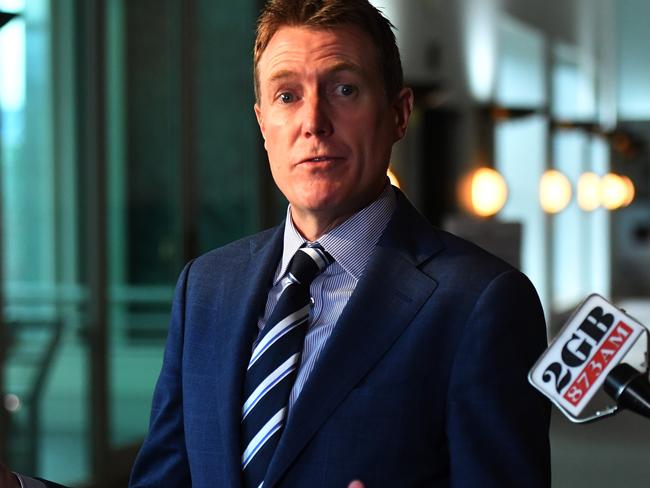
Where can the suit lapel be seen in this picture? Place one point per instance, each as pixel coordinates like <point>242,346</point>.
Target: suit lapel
<point>382,306</point>
<point>236,328</point>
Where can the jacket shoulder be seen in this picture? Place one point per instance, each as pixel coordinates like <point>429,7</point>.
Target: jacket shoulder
<point>464,264</point>
<point>236,250</point>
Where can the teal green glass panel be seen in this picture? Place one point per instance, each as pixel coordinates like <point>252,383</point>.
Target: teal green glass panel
<point>45,376</point>
<point>148,45</point>
<point>228,139</point>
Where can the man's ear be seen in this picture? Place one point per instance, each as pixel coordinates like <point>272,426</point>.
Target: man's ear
<point>260,119</point>
<point>403,106</point>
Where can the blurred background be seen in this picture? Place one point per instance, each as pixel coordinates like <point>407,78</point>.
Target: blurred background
<point>128,146</point>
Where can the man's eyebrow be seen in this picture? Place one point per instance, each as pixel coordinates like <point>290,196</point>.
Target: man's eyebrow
<point>284,74</point>
<point>280,75</point>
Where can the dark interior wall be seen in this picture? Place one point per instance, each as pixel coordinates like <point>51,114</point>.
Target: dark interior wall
<point>631,225</point>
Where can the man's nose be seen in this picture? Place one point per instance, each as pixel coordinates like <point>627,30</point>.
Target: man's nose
<point>316,121</point>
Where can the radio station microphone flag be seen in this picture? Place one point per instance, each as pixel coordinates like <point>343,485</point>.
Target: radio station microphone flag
<point>581,357</point>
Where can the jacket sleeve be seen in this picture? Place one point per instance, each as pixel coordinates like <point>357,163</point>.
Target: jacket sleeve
<point>497,424</point>
<point>162,460</point>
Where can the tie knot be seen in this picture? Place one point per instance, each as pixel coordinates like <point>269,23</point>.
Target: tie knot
<point>307,263</point>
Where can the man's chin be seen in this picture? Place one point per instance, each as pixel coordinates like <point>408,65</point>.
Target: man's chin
<point>317,208</point>
<point>319,201</point>
<point>333,204</point>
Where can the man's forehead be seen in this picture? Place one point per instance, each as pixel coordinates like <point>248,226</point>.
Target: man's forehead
<point>340,48</point>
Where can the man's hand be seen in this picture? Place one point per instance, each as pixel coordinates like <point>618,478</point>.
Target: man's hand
<point>7,479</point>
<point>356,484</point>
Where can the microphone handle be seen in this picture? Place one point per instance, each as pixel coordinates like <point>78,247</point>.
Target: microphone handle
<point>629,388</point>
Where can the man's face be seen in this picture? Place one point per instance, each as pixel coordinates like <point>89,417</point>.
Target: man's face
<point>327,124</point>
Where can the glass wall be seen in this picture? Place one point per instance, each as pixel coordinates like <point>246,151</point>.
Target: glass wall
<point>552,93</point>
<point>46,381</point>
<point>520,148</point>
<point>633,74</point>
<point>521,143</point>
<point>184,172</point>
<point>129,146</point>
<point>580,237</point>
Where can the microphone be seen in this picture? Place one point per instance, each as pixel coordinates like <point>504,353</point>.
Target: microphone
<point>629,388</point>
<point>586,357</point>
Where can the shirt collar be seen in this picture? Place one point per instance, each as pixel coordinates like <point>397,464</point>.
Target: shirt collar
<point>351,242</point>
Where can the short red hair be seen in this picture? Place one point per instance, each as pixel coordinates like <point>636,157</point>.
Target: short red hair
<point>323,14</point>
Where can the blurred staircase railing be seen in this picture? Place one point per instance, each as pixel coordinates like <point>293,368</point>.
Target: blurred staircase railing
<point>31,349</point>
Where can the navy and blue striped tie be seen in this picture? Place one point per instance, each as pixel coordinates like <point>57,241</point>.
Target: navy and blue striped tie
<point>273,365</point>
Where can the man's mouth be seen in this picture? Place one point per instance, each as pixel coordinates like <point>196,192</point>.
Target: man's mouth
<point>319,159</point>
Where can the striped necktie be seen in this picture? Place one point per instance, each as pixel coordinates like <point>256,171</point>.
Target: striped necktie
<point>273,365</point>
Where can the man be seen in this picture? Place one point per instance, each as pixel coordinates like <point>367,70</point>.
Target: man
<point>412,362</point>
<point>413,369</point>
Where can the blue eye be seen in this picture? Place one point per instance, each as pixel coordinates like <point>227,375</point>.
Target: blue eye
<point>346,90</point>
<point>286,97</point>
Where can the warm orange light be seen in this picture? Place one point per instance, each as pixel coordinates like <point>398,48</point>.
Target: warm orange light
<point>614,191</point>
<point>630,192</point>
<point>588,191</point>
<point>393,178</point>
<point>484,192</point>
<point>554,191</point>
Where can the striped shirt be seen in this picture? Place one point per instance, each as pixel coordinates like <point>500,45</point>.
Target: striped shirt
<point>350,244</point>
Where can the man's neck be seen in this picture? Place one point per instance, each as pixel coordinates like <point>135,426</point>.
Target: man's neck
<point>311,227</point>
<point>313,224</point>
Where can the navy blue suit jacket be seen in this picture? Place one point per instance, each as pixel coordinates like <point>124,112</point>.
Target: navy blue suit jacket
<point>422,382</point>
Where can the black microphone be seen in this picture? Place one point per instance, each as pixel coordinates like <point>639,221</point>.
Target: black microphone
<point>629,388</point>
<point>590,354</point>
